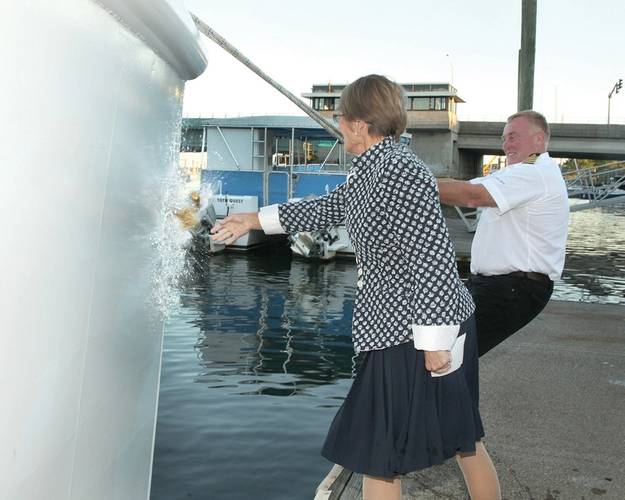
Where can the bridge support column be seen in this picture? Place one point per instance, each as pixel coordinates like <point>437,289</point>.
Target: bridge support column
<point>469,164</point>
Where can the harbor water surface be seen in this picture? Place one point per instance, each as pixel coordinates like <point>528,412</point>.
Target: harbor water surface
<point>257,359</point>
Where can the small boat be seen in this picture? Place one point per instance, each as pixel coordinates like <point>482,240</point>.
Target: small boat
<point>261,161</point>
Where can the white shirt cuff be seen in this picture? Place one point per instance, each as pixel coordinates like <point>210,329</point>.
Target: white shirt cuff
<point>269,219</point>
<point>457,356</point>
<point>434,337</point>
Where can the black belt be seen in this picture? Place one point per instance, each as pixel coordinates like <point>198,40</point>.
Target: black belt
<point>543,278</point>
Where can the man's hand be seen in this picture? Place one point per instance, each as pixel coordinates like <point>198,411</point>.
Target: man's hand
<point>437,361</point>
<point>234,226</point>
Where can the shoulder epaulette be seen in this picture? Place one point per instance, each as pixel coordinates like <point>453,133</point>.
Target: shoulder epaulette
<point>531,159</point>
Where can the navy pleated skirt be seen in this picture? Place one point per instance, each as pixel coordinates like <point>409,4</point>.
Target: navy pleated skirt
<point>397,418</point>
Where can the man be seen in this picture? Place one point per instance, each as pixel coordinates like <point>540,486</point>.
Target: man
<point>519,245</point>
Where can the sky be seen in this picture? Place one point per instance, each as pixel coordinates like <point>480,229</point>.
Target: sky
<point>580,53</point>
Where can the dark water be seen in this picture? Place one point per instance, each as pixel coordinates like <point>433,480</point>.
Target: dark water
<point>257,359</point>
<point>594,270</point>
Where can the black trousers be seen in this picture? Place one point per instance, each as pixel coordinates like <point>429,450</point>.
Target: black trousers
<point>504,304</point>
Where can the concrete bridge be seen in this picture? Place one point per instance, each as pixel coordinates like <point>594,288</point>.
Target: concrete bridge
<point>568,140</point>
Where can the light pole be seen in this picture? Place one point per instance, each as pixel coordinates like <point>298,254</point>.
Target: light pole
<point>527,55</point>
<point>615,90</point>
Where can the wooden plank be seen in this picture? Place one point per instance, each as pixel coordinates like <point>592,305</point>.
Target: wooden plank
<point>333,484</point>
<point>353,489</point>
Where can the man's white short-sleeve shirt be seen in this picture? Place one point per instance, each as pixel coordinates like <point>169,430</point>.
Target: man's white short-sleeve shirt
<point>527,230</point>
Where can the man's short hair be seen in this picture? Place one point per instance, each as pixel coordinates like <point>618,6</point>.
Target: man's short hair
<point>377,101</point>
<point>535,118</point>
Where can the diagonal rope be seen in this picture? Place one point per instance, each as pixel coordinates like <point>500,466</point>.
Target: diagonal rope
<point>233,51</point>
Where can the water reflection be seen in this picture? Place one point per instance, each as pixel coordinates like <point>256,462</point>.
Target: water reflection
<point>270,313</point>
<point>251,329</point>
<point>595,261</point>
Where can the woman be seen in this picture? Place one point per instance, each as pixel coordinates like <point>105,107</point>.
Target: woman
<point>414,401</point>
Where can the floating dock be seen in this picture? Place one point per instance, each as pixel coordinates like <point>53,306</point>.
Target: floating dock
<point>553,406</point>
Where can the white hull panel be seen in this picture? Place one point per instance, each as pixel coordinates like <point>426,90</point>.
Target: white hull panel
<point>90,114</point>
<point>234,204</point>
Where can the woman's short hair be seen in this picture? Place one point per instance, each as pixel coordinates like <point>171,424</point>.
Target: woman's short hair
<point>535,118</point>
<point>377,101</point>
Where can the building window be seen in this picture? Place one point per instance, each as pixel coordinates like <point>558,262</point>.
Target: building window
<point>438,103</point>
<point>324,103</point>
<point>420,103</point>
<point>428,104</point>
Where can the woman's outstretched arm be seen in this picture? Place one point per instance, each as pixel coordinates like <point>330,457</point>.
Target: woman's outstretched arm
<point>304,215</point>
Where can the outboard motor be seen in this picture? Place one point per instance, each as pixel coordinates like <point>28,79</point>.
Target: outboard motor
<point>317,244</point>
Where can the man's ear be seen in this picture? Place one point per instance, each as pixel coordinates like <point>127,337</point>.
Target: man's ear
<point>539,140</point>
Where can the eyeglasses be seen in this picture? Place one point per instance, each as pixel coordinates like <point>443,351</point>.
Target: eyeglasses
<point>336,116</point>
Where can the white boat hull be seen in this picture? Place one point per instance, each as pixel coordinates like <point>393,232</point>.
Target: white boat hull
<point>89,118</point>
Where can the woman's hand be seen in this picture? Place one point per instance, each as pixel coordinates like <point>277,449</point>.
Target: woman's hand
<point>234,226</point>
<point>437,361</point>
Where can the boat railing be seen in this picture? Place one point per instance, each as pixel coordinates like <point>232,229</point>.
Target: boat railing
<point>469,217</point>
<point>600,185</point>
